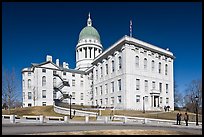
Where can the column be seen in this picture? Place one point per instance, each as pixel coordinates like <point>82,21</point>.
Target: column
<point>83,53</point>
<point>92,52</point>
<point>88,52</point>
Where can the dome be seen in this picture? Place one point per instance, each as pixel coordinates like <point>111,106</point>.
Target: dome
<point>89,32</point>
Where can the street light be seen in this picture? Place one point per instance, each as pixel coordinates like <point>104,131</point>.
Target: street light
<point>143,105</point>
<point>196,99</point>
<point>70,96</point>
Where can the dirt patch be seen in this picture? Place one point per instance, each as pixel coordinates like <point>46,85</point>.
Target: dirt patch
<point>119,132</point>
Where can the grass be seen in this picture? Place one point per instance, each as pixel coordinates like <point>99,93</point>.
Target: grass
<point>49,111</point>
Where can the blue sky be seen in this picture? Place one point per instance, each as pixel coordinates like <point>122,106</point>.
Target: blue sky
<point>30,31</point>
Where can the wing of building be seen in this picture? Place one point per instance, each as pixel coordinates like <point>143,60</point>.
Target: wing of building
<point>130,74</point>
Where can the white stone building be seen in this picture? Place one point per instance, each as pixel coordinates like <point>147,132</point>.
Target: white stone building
<point>130,74</point>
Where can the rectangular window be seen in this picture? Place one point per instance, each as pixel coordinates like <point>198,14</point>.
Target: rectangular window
<point>73,82</point>
<point>113,66</point>
<point>119,85</point>
<point>44,70</point>
<point>112,100</point>
<point>106,69</point>
<point>43,93</point>
<point>166,69</point>
<point>112,87</point>
<point>120,62</point>
<point>119,99</point>
<point>167,88</point>
<point>101,72</point>
<point>137,98</point>
<point>73,74</point>
<point>159,67</point>
<point>29,73</point>
<point>101,90</point>
<point>152,65</point>
<point>137,84</point>
<point>167,100</point>
<point>82,96</point>
<point>23,95</point>
<point>73,95</point>
<point>54,72</point>
<point>160,87</point>
<point>96,91</point>
<point>43,103</point>
<point>137,61</point>
<point>96,74</point>
<point>29,95</point>
<point>145,63</point>
<point>106,88</point>
<point>64,73</point>
<point>146,85</point>
<point>160,100</point>
<point>101,102</point>
<point>106,101</point>
<point>82,83</point>
<point>153,84</point>
<point>81,76</point>
<point>54,95</point>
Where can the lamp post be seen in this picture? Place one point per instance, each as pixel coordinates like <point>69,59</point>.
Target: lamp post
<point>70,96</point>
<point>143,104</point>
<point>196,99</point>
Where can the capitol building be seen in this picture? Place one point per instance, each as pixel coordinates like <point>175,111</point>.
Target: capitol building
<point>130,74</point>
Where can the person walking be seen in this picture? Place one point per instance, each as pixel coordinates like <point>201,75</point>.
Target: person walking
<point>186,118</point>
<point>177,118</point>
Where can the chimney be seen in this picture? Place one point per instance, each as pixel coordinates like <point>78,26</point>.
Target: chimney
<point>49,58</point>
<point>57,62</point>
<point>64,64</point>
<point>67,65</point>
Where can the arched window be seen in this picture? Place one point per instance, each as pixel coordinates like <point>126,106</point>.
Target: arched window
<point>43,81</point>
<point>159,67</point>
<point>137,61</point>
<point>29,83</point>
<point>120,62</point>
<point>166,69</point>
<point>54,82</point>
<point>113,66</point>
<point>145,63</point>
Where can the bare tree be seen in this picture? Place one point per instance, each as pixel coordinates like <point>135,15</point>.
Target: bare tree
<point>9,89</point>
<point>178,99</point>
<point>193,89</point>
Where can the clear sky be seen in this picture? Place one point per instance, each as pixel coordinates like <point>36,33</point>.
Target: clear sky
<point>30,31</point>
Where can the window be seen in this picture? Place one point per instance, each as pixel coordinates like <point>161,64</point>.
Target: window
<point>137,84</point>
<point>106,69</point>
<point>146,85</point>
<point>113,66</point>
<point>166,69</point>
<point>43,81</point>
<point>44,70</point>
<point>73,95</point>
<point>29,73</point>
<point>82,83</point>
<point>160,100</point>
<point>54,72</point>
<point>54,94</point>
<point>97,103</point>
<point>145,63</point>
<point>73,74</point>
<point>73,82</point>
<point>101,90</point>
<point>64,73</point>
<point>112,100</point>
<point>159,67</point>
<point>112,86</point>
<point>106,88</point>
<point>29,83</point>
<point>82,96</point>
<point>96,91</point>
<point>152,65</point>
<point>23,95</point>
<point>101,72</point>
<point>101,102</point>
<point>119,99</point>
<point>29,104</point>
<point>29,95</point>
<point>43,103</point>
<point>54,82</point>
<point>160,87</point>
<point>153,84</point>
<point>96,74</point>
<point>167,88</point>
<point>137,61</point>
<point>81,76</point>
<point>167,100</point>
<point>106,101</point>
<point>43,93</point>
<point>119,85</point>
<point>137,98</point>
<point>120,62</point>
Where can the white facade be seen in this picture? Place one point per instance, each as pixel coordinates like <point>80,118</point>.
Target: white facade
<point>130,74</point>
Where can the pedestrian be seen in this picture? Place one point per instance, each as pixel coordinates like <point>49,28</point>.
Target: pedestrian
<point>74,112</point>
<point>165,108</point>
<point>177,118</point>
<point>186,118</point>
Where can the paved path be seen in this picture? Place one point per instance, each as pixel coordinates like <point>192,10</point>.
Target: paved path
<point>31,128</point>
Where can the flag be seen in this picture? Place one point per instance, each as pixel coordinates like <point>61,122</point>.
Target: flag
<point>130,28</point>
